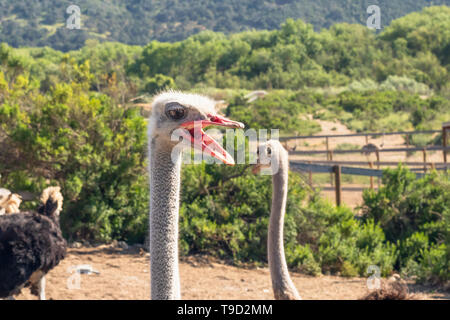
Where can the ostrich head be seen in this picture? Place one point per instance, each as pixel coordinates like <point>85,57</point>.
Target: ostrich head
<point>9,202</point>
<point>271,155</point>
<point>4,194</point>
<point>186,115</point>
<point>51,202</point>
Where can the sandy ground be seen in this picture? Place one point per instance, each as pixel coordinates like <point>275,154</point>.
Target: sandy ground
<point>352,199</point>
<point>124,274</point>
<point>386,142</point>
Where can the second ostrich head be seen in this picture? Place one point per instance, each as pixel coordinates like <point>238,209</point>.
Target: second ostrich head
<point>271,156</point>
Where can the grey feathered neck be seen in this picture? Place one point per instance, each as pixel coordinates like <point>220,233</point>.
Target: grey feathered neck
<point>164,206</point>
<point>282,285</point>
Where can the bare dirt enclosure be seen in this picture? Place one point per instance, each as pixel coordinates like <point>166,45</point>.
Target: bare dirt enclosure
<point>124,275</point>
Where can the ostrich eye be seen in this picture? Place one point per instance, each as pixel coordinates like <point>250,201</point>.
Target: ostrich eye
<point>175,111</point>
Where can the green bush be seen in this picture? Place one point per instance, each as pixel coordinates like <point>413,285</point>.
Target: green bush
<point>349,247</point>
<point>302,259</point>
<point>414,214</point>
<point>277,110</point>
<point>82,141</point>
<point>395,83</point>
<point>158,83</point>
<point>230,220</point>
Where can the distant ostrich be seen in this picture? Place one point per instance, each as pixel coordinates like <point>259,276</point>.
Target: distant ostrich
<point>31,244</point>
<point>9,202</point>
<point>254,95</point>
<point>393,289</point>
<point>369,148</point>
<point>282,285</point>
<point>171,111</point>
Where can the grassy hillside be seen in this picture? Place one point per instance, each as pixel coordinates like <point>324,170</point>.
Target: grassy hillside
<point>42,22</point>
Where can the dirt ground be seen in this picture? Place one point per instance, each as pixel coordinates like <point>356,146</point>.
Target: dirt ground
<point>124,274</point>
<point>352,199</point>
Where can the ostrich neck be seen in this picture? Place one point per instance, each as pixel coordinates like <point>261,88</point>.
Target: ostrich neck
<point>164,206</point>
<point>282,284</point>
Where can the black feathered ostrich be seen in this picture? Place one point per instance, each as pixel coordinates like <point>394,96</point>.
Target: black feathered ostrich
<point>31,244</point>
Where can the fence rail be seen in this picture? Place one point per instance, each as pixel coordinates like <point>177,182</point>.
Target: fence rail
<point>429,148</point>
<point>338,170</point>
<point>320,168</point>
<point>373,134</point>
<point>379,163</point>
<point>338,167</point>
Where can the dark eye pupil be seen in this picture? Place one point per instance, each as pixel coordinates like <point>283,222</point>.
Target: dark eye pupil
<point>269,151</point>
<point>175,113</point>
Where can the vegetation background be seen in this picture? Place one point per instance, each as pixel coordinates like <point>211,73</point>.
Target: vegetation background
<point>66,119</point>
<point>137,22</point>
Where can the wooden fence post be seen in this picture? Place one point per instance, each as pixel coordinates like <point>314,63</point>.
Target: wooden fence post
<point>371,178</point>
<point>378,167</point>
<point>310,177</point>
<point>445,126</point>
<point>424,160</point>
<point>330,158</point>
<point>337,178</point>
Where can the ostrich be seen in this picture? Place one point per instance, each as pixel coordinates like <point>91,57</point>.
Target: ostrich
<point>393,289</point>
<point>282,285</point>
<point>173,110</point>
<point>31,244</point>
<point>254,95</point>
<point>9,202</point>
<point>369,148</point>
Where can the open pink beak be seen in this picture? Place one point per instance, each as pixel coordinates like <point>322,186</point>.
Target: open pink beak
<point>207,144</point>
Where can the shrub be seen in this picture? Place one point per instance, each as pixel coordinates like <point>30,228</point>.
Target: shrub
<point>302,259</point>
<point>395,83</point>
<point>275,111</point>
<point>158,83</point>
<point>405,205</point>
<point>84,142</point>
<point>229,218</point>
<point>414,214</point>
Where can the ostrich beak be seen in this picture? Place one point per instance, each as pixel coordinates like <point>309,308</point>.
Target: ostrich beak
<point>256,169</point>
<point>207,144</point>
